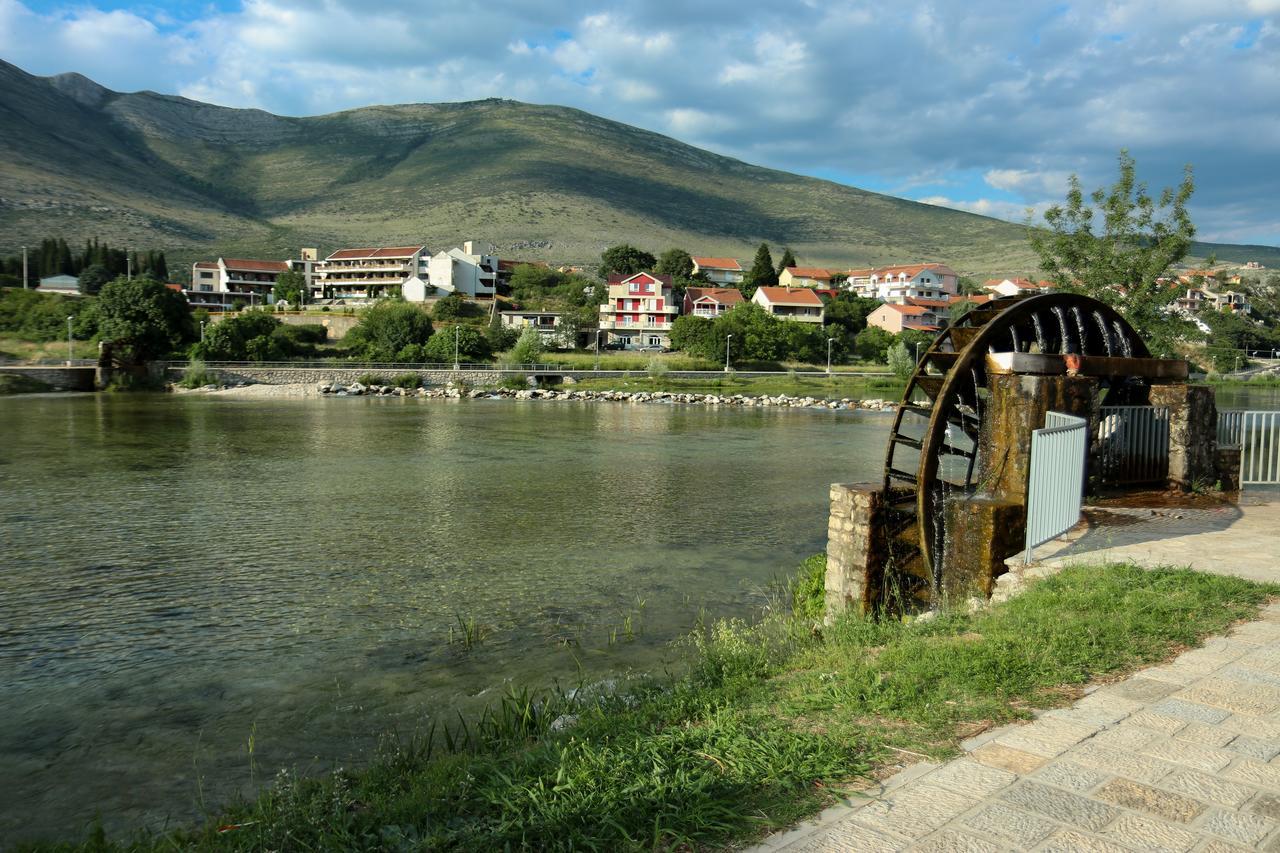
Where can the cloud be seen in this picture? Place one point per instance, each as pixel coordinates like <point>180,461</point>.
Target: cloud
<point>1010,211</point>
<point>995,103</point>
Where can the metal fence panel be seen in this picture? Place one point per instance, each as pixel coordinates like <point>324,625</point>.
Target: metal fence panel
<point>1056,485</point>
<point>1133,443</point>
<point>1229,425</point>
<point>1259,448</point>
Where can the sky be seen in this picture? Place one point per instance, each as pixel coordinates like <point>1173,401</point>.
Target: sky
<point>979,105</point>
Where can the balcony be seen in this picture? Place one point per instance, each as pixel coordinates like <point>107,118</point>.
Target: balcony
<point>634,327</point>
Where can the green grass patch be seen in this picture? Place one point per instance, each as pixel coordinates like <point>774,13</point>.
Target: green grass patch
<point>762,725</point>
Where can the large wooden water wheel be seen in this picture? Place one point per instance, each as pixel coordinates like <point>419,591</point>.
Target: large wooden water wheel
<point>934,449</point>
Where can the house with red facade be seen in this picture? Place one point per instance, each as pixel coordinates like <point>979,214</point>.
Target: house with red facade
<point>639,312</point>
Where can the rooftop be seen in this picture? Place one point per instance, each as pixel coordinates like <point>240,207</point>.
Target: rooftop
<point>790,296</point>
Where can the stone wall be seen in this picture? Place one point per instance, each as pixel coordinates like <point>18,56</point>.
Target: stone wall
<point>1193,434</point>
<point>316,375</point>
<point>856,547</point>
<point>60,378</point>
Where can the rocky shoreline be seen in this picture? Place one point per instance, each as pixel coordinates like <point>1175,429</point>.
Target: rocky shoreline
<point>356,389</point>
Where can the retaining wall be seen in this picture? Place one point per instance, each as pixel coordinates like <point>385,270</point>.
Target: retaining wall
<point>60,378</point>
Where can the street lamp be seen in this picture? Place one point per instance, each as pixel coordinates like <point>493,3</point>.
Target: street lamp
<point>69,354</point>
<point>598,331</point>
<point>917,352</point>
<point>727,342</point>
<point>202,322</point>
<point>456,331</point>
<point>829,342</point>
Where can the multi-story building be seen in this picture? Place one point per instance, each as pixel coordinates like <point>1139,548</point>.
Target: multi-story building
<point>726,272</point>
<point>896,318</point>
<point>711,301</point>
<point>804,277</point>
<point>900,283</point>
<point>466,271</point>
<point>790,303</point>
<point>1016,286</point>
<point>362,275</point>
<point>551,326</point>
<point>228,281</point>
<point>640,310</point>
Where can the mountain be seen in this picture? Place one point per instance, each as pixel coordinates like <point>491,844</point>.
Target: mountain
<point>541,182</point>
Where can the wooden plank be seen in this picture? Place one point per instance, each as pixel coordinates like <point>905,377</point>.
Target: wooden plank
<point>1155,369</point>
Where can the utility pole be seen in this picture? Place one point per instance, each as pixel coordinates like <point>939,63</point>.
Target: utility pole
<point>70,357</point>
<point>25,285</point>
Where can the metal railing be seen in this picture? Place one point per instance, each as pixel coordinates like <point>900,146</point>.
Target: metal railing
<point>551,367</point>
<point>1133,443</point>
<point>1230,426</point>
<point>1260,449</point>
<point>1056,484</point>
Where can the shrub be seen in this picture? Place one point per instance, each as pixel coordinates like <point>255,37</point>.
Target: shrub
<point>471,345</point>
<point>386,329</point>
<point>454,307</point>
<point>900,360</point>
<point>197,375</point>
<point>657,368</point>
<point>809,588</point>
<point>407,380</point>
<point>528,347</point>
<point>248,336</point>
<point>514,382</point>
<point>371,379</point>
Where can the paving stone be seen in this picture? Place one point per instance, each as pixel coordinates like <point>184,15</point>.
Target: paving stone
<point>1111,703</point>
<point>950,841</point>
<point>1142,689</point>
<point>1237,701</point>
<point>1208,789</point>
<point>846,837</point>
<point>1046,738</point>
<point>1060,805</point>
<point>1005,758</point>
<point>1247,829</point>
<point>1069,775</point>
<point>1157,722</point>
<point>1265,805</point>
<point>914,810</point>
<point>1144,798</point>
<point>1096,718</point>
<point>1263,749</point>
<point>1121,762</point>
<point>1255,772</point>
<point>1213,845</point>
<point>1205,734</point>
<point>1195,755</point>
<point>1016,825</point>
<point>1070,841</point>
<point>1189,711</point>
<point>1261,631</point>
<point>1145,833</point>
<point>969,778</point>
<point>1246,674</point>
<point>1255,726</point>
<point>1125,737</point>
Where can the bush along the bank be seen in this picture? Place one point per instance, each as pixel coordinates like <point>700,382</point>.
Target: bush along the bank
<point>763,724</point>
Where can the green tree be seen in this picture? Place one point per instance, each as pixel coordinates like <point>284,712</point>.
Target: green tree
<point>289,287</point>
<point>900,360</point>
<point>788,260</point>
<point>143,319</point>
<point>676,263</point>
<point>92,278</point>
<point>472,345</point>
<point>625,260</point>
<point>872,344</point>
<point>387,328</point>
<point>1120,260</point>
<point>248,336</point>
<point>501,338</point>
<point>694,335</point>
<point>451,307</point>
<point>849,312</point>
<point>959,309</point>
<point>528,347</point>
<point>761,274</point>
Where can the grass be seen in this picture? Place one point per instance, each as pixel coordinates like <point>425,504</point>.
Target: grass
<point>198,376</point>
<point>17,348</point>
<point>765,723</point>
<point>854,387</point>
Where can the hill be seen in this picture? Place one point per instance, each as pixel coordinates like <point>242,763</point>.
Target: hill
<point>144,169</point>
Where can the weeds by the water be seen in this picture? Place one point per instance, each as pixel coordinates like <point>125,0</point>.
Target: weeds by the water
<point>468,632</point>
<point>765,723</point>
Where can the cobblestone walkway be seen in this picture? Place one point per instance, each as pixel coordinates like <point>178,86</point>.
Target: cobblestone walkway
<point>1178,757</point>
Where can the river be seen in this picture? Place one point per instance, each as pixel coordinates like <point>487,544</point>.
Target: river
<point>200,591</point>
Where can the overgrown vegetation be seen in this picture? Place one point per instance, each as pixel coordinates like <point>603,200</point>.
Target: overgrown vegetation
<point>765,723</point>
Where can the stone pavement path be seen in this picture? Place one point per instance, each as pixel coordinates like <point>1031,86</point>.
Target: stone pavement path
<point>1180,757</point>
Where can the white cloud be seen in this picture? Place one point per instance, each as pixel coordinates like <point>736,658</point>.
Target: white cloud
<point>1011,211</point>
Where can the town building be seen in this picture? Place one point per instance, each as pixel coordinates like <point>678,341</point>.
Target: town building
<point>726,272</point>
<point>896,318</point>
<point>790,303</point>
<point>639,312</point>
<point>804,277</point>
<point>903,282</point>
<point>467,271</point>
<point>366,274</point>
<point>551,325</point>
<point>1016,286</point>
<point>711,301</point>
<point>64,285</point>
<point>228,282</point>
<point>1198,299</point>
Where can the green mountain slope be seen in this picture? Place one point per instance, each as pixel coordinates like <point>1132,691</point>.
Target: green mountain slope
<point>540,182</point>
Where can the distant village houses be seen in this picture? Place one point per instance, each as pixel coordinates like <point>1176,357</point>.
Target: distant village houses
<point>790,303</point>
<point>639,312</point>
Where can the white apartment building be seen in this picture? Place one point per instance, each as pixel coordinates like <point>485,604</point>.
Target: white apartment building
<point>725,272</point>
<point>466,271</point>
<point>226,281</point>
<point>897,284</point>
<point>363,275</point>
<point>1016,286</point>
<point>640,310</point>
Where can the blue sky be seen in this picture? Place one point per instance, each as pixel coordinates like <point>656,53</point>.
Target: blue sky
<point>979,105</point>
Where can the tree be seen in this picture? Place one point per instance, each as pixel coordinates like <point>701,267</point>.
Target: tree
<point>387,328</point>
<point>501,338</point>
<point>676,263</point>
<point>92,278</point>
<point>872,344</point>
<point>694,335</point>
<point>246,336</point>
<point>625,260</point>
<point>143,319</point>
<point>452,307</point>
<point>849,312</point>
<point>471,345</point>
<point>761,273</point>
<point>900,360</point>
<point>528,347</point>
<point>289,287</point>
<point>788,260</point>
<point>1140,239</point>
<point>959,309</point>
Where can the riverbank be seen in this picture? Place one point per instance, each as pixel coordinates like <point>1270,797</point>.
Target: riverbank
<point>767,723</point>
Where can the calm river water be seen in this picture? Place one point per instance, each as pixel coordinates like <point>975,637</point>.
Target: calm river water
<point>197,592</point>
